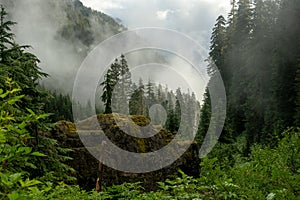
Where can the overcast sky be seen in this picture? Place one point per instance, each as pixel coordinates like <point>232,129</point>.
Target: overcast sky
<point>193,17</point>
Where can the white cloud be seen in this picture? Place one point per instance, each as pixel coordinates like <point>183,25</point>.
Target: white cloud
<point>163,14</point>
<point>193,17</point>
<point>103,5</point>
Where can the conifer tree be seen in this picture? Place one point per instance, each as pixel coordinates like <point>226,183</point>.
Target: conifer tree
<point>21,66</point>
<point>297,99</point>
<point>108,86</point>
<point>217,48</point>
<point>122,89</point>
<point>178,105</point>
<point>137,100</point>
<point>117,87</point>
<point>150,96</point>
<point>204,117</point>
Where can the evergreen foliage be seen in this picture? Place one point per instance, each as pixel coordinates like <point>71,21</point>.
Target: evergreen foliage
<point>120,95</point>
<point>257,54</point>
<point>27,156</point>
<point>116,87</point>
<point>19,65</point>
<point>59,107</point>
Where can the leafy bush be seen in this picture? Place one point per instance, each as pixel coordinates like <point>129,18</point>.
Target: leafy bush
<point>266,173</point>
<point>272,172</point>
<point>17,156</point>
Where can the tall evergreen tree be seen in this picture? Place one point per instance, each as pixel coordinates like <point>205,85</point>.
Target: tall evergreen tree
<point>297,99</point>
<point>285,62</point>
<point>6,36</point>
<point>205,116</point>
<point>115,73</point>
<point>20,74</point>
<point>21,66</point>
<point>106,96</point>
<point>259,68</point>
<point>117,87</point>
<point>237,54</point>
<point>217,48</point>
<point>122,88</point>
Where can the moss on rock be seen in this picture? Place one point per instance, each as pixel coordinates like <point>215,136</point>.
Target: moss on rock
<point>86,165</point>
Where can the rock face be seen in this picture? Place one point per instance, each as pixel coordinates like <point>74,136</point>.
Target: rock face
<point>87,166</point>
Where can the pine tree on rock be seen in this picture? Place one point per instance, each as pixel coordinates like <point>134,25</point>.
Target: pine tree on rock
<point>123,87</point>
<point>115,72</point>
<point>117,87</point>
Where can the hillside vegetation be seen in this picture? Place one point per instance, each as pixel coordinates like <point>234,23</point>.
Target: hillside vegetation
<point>257,53</point>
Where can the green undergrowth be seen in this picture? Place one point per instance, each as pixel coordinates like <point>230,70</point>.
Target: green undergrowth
<point>267,173</point>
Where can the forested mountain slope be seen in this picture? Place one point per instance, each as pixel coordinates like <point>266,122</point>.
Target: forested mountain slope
<point>257,51</point>
<point>61,34</point>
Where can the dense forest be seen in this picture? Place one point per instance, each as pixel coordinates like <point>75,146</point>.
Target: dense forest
<point>257,52</point>
<point>256,49</point>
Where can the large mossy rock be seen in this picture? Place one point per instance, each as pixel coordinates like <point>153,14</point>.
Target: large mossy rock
<point>86,165</point>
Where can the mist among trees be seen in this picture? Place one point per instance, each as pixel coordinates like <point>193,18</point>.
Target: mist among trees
<point>256,49</point>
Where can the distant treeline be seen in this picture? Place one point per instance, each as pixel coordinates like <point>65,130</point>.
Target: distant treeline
<point>121,95</point>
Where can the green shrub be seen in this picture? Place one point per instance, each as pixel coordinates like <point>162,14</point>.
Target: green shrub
<point>266,173</point>
<point>17,158</point>
<point>272,171</point>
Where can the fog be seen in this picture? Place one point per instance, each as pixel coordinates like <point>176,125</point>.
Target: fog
<point>192,17</point>
<point>39,23</point>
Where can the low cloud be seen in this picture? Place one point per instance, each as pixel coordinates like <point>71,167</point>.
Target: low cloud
<point>193,17</point>
<point>39,25</point>
<point>103,4</point>
<point>163,14</point>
